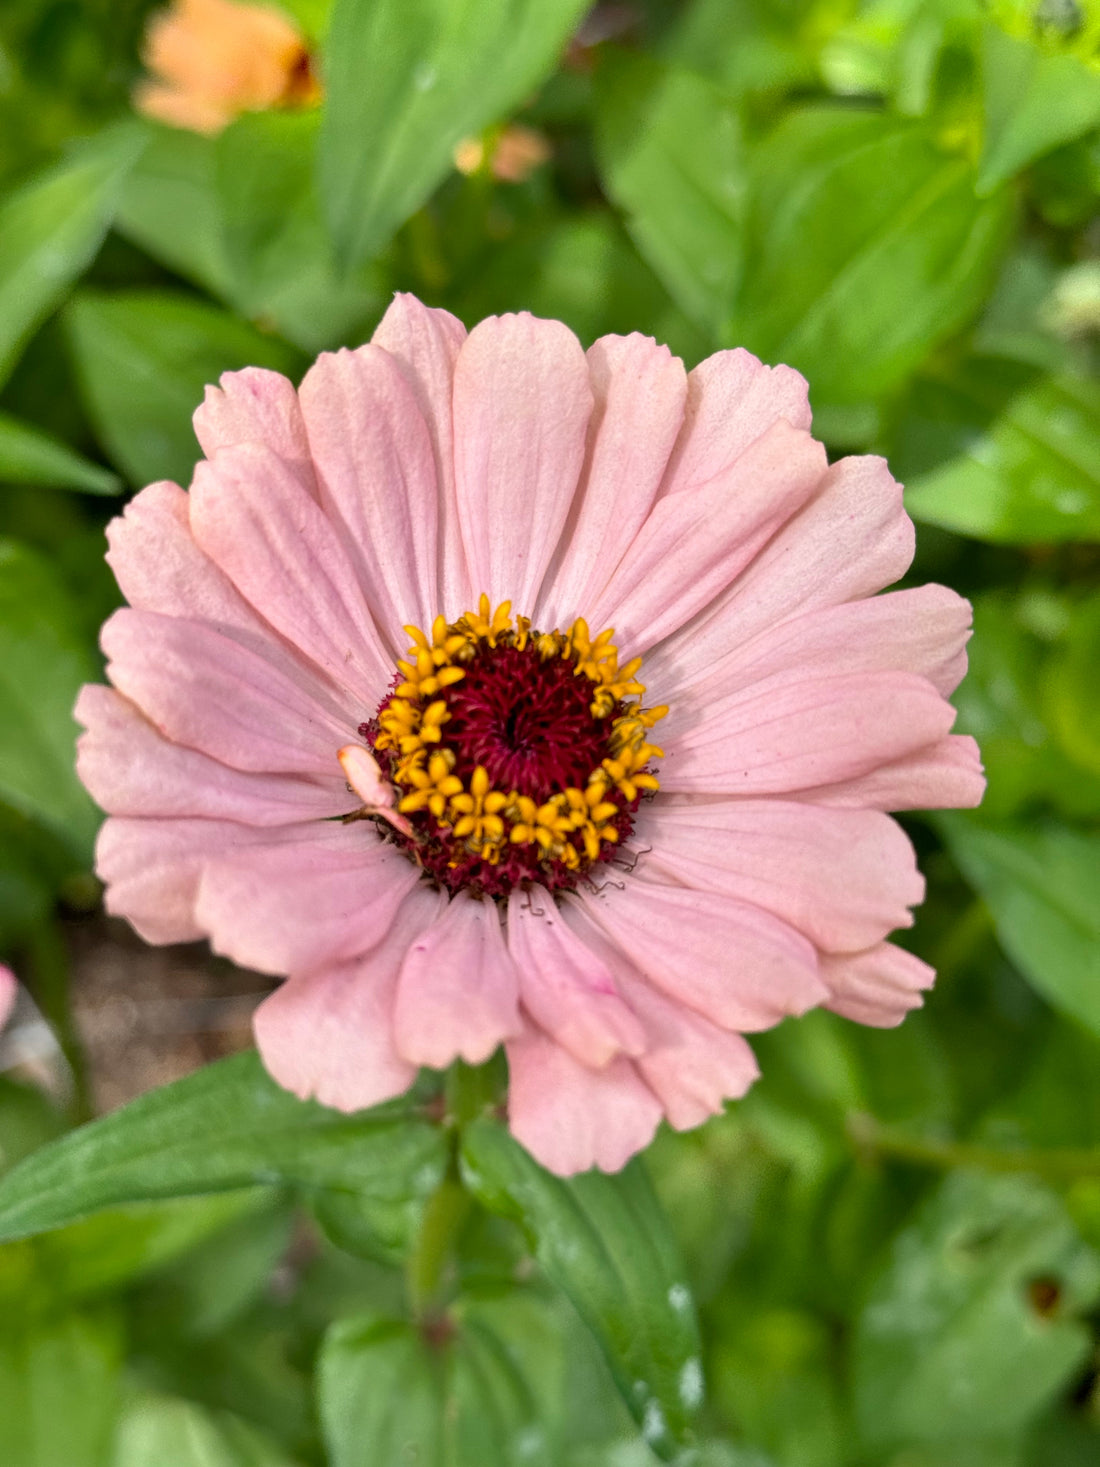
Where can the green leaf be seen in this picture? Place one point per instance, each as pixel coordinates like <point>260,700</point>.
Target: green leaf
<point>225,1127</point>
<point>1027,465</point>
<point>377,1382</point>
<point>955,1341</point>
<point>408,79</point>
<point>454,1394</point>
<point>50,231</point>
<point>605,1242</point>
<point>173,1433</point>
<point>276,243</point>
<point>43,662</point>
<point>170,207</point>
<point>59,1391</point>
<point>1029,700</point>
<point>1033,101</point>
<point>1040,881</point>
<point>672,158</point>
<point>582,270</point>
<point>112,1249</point>
<point>28,456</point>
<point>866,247</point>
<point>143,359</point>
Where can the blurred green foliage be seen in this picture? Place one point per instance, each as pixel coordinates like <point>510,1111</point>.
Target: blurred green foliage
<point>894,1242</point>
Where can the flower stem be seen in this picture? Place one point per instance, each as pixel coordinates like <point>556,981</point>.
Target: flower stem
<point>425,1270</point>
<point>874,1142</point>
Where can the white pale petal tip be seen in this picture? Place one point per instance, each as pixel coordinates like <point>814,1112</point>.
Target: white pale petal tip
<point>362,772</point>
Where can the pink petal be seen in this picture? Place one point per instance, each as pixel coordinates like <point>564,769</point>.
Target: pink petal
<point>945,775</point>
<point>923,631</point>
<point>640,389</point>
<point>212,694</point>
<point>690,1064</point>
<point>877,987</point>
<point>376,469</point>
<point>457,993</point>
<point>130,769</point>
<point>521,408</point>
<point>845,878</point>
<point>8,989</point>
<point>328,895</point>
<point>151,869</point>
<point>425,344</point>
<point>733,399</point>
<point>571,1118</point>
<point>328,1034</point>
<point>852,539</point>
<point>159,567</point>
<point>786,734</point>
<point>565,988</point>
<point>256,406</point>
<point>734,963</point>
<point>691,547</point>
<point>253,518</point>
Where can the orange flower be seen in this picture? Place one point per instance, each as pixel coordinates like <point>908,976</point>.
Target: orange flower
<point>211,60</point>
<point>513,156</point>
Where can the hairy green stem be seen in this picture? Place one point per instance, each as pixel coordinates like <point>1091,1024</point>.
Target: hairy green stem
<point>875,1141</point>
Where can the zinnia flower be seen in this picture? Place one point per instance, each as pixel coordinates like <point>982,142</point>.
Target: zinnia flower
<point>214,59</point>
<point>370,726</point>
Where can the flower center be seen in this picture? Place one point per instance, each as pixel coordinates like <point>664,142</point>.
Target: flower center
<point>517,755</point>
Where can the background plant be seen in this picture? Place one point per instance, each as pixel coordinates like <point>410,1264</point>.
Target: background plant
<point>888,1255</point>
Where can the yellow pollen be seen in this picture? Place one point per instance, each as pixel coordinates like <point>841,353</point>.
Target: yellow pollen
<point>573,825</point>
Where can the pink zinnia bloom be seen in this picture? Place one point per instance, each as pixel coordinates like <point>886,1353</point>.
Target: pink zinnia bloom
<point>367,730</point>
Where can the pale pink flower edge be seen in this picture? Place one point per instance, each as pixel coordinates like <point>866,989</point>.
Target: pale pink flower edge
<point>694,513</point>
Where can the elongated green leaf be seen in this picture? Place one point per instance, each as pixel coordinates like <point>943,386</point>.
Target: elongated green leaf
<point>1028,465</point>
<point>175,1433</point>
<point>59,1391</point>
<point>1033,101</point>
<point>604,1241</point>
<point>43,661</point>
<point>1041,882</point>
<point>865,247</point>
<point>408,79</point>
<point>950,1344</point>
<point>49,232</point>
<point>28,456</point>
<point>276,243</point>
<point>672,157</point>
<point>144,358</point>
<point>112,1249</point>
<point>226,1126</point>
<point>170,207</point>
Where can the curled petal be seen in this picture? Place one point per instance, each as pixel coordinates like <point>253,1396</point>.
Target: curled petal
<point>877,987</point>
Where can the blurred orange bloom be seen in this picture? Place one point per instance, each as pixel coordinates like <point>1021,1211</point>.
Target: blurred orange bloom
<point>211,60</point>
<point>513,157</point>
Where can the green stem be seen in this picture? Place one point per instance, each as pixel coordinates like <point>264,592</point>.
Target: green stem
<point>425,1270</point>
<point>874,1142</point>
<point>50,987</point>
